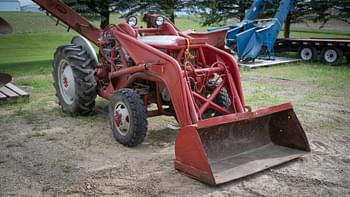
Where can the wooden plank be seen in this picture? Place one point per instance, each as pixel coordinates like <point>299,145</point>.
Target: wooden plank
<point>16,89</point>
<point>12,94</point>
<point>9,93</point>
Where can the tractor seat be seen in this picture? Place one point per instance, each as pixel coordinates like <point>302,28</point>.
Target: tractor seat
<point>161,40</point>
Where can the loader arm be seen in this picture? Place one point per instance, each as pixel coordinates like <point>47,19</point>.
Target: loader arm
<point>71,18</point>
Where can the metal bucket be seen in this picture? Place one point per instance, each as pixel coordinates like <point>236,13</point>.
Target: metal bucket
<point>4,79</point>
<point>226,148</point>
<point>5,28</point>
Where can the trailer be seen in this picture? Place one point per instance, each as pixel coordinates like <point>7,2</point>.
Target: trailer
<point>328,50</point>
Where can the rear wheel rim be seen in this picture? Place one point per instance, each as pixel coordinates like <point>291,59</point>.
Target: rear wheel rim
<point>121,118</point>
<point>66,81</point>
<point>306,54</point>
<point>330,55</point>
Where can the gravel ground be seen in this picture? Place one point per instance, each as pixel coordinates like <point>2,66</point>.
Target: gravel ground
<point>47,153</point>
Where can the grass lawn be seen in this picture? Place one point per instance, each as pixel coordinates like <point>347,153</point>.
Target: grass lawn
<point>27,55</point>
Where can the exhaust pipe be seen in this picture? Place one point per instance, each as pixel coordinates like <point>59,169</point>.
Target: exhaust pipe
<point>5,27</point>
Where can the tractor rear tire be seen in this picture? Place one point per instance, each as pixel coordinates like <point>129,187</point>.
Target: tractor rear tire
<point>332,56</point>
<point>74,79</point>
<point>128,117</point>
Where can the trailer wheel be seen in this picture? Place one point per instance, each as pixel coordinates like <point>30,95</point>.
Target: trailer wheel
<point>128,117</point>
<point>332,56</point>
<point>222,99</point>
<point>74,80</point>
<point>307,53</point>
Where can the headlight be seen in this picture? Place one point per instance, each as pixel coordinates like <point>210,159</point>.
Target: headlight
<point>132,21</point>
<point>159,21</point>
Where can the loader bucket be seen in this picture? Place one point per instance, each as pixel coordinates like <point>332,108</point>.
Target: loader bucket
<point>5,28</point>
<point>225,148</point>
<point>4,79</point>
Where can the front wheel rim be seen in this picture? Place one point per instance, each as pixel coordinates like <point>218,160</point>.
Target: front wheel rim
<point>66,81</point>
<point>121,118</point>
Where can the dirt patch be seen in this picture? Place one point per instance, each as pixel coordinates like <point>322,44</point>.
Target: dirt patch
<point>44,152</point>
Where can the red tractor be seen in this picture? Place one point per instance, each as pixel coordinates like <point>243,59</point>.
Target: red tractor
<point>220,139</point>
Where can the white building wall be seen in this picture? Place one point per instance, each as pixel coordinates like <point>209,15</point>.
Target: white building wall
<point>10,7</point>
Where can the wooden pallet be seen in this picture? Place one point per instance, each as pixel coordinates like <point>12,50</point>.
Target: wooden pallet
<point>11,93</point>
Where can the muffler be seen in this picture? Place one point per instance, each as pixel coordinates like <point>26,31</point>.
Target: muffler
<point>225,148</point>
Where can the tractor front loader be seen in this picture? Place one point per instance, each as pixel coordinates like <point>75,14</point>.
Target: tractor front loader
<point>220,139</point>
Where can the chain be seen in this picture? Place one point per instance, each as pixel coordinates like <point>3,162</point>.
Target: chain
<point>188,65</point>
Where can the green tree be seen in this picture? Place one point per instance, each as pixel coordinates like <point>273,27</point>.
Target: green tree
<point>216,11</point>
<point>165,7</point>
<point>83,9</point>
<point>100,8</point>
<point>300,13</point>
<point>326,10</point>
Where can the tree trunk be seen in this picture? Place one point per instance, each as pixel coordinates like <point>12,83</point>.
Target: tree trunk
<point>287,27</point>
<point>104,19</point>
<point>104,14</point>
<point>172,17</point>
<point>242,10</point>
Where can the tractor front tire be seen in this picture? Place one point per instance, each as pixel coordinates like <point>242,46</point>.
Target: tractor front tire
<point>128,117</point>
<point>222,99</point>
<point>74,79</point>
